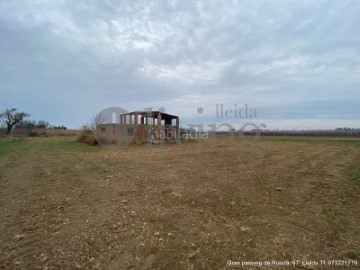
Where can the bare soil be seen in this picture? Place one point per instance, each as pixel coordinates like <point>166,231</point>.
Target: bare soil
<point>68,207</point>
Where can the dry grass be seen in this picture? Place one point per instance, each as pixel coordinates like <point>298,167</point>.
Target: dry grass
<point>63,133</point>
<point>86,136</point>
<point>79,207</point>
<point>42,132</point>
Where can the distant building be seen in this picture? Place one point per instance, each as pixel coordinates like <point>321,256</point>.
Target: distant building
<point>143,126</point>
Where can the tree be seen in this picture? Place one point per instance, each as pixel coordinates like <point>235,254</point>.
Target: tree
<point>42,124</point>
<point>95,121</point>
<point>59,127</point>
<point>28,124</point>
<point>10,117</point>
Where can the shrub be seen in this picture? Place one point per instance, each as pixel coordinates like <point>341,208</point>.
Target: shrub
<point>86,136</point>
<point>38,133</point>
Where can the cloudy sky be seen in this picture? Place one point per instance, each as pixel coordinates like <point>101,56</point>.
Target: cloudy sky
<point>297,63</point>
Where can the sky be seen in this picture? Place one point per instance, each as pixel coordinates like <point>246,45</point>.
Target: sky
<point>295,63</point>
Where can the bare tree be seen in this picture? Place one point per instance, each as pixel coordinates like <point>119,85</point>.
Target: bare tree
<point>96,121</point>
<point>29,124</point>
<point>10,117</point>
<point>42,124</point>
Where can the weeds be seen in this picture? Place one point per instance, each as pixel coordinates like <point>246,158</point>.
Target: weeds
<point>15,145</point>
<point>86,136</point>
<point>356,177</point>
<point>64,170</point>
<point>355,174</point>
<point>37,174</point>
<point>70,146</point>
<point>86,165</point>
<point>348,193</point>
<point>331,218</point>
<point>312,140</point>
<point>95,168</point>
<point>352,254</point>
<point>52,133</point>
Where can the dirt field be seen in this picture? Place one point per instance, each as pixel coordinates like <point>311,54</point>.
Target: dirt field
<point>65,205</point>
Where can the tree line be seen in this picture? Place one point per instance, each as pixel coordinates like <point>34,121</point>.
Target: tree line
<point>12,118</point>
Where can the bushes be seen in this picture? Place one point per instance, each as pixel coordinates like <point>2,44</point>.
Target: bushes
<point>42,132</point>
<point>38,133</point>
<point>96,136</point>
<point>87,136</point>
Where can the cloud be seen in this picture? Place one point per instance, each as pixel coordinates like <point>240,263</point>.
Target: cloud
<point>290,60</point>
<point>187,73</point>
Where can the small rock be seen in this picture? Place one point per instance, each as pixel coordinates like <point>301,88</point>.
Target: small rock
<point>149,261</point>
<point>91,259</point>
<point>244,229</point>
<point>19,237</point>
<point>192,254</point>
<point>279,189</point>
<point>43,257</point>
<point>157,233</point>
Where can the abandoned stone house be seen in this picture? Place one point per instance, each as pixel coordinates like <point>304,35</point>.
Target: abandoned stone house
<point>142,126</point>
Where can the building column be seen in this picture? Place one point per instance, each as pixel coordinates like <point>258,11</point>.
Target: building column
<point>177,126</point>
<point>136,119</point>
<point>159,123</point>
<point>159,120</point>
